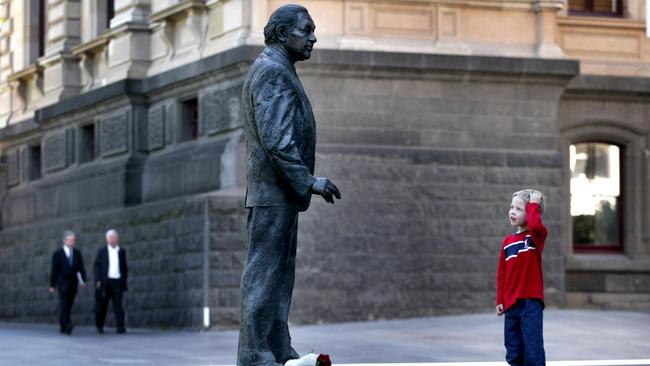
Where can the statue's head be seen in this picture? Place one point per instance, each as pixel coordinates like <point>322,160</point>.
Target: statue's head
<point>291,27</point>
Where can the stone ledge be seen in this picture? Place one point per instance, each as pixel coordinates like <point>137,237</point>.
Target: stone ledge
<point>596,84</point>
<point>459,63</point>
<point>520,67</point>
<point>606,262</point>
<point>120,88</point>
<point>467,157</point>
<point>178,10</point>
<point>21,128</point>
<point>604,300</point>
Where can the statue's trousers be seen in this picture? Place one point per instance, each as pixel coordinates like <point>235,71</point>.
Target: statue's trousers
<point>267,286</point>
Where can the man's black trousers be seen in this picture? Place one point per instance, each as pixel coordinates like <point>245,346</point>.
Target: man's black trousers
<point>66,300</point>
<point>113,294</point>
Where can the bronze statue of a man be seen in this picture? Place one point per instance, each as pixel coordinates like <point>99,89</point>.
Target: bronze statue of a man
<point>280,149</point>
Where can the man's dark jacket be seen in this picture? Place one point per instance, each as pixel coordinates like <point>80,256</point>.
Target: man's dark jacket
<point>280,134</point>
<point>63,275</point>
<point>101,269</point>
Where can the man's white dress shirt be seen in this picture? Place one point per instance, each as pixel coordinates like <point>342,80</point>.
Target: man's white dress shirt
<point>113,262</point>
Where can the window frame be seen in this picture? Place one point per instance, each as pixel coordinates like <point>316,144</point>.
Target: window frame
<point>32,173</point>
<point>189,117</point>
<point>592,13</point>
<point>632,182</point>
<point>35,31</point>
<point>606,248</point>
<point>110,13</point>
<point>84,156</point>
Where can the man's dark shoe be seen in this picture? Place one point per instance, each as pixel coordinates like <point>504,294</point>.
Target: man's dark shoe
<point>121,330</point>
<point>68,329</point>
<point>100,330</point>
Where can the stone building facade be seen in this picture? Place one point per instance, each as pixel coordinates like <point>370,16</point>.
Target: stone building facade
<point>125,114</point>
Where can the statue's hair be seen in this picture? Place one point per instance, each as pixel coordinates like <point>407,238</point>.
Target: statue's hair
<point>287,16</point>
<point>524,194</point>
<point>67,233</point>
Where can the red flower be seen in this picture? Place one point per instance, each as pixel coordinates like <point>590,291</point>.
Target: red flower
<point>323,360</point>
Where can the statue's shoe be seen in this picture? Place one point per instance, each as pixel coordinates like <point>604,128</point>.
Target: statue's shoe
<point>293,355</point>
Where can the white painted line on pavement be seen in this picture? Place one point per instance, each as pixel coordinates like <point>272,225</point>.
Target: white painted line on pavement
<point>548,363</point>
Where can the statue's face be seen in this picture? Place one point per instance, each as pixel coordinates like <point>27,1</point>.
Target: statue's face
<point>301,38</point>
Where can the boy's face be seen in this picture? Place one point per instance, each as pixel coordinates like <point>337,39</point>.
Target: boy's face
<point>517,213</point>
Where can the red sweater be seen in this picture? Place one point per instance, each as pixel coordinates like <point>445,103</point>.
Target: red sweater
<point>519,275</point>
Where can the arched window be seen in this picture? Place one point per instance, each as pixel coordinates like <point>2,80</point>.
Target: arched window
<point>596,196</point>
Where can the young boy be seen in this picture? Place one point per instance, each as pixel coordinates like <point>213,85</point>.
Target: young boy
<point>520,282</point>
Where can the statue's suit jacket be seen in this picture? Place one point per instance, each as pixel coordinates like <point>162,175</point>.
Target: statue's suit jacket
<point>280,133</point>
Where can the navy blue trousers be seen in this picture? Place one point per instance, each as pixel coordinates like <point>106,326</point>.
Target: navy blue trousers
<point>524,333</point>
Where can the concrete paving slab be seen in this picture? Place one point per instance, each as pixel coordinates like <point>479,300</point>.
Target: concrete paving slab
<point>570,335</point>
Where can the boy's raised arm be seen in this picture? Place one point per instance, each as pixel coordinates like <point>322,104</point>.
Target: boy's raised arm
<point>534,219</point>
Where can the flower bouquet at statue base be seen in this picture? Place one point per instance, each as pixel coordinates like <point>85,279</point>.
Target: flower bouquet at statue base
<point>311,359</point>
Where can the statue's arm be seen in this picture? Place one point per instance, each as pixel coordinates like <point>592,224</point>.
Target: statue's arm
<point>277,107</point>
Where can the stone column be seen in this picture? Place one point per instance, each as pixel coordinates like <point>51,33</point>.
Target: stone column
<point>128,48</point>
<point>5,34</point>
<point>61,76</point>
<point>5,63</point>
<point>546,27</point>
<point>63,25</point>
<point>131,11</point>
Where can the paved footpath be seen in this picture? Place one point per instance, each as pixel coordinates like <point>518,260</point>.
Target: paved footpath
<point>570,335</point>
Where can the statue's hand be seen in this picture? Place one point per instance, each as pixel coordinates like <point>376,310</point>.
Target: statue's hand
<point>325,188</point>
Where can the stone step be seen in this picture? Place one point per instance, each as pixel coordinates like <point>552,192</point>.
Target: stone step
<point>604,300</point>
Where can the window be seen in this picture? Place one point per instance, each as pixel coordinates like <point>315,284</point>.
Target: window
<point>189,120</point>
<point>42,23</point>
<point>596,196</point>
<point>611,8</point>
<point>87,147</point>
<point>34,171</point>
<point>110,12</point>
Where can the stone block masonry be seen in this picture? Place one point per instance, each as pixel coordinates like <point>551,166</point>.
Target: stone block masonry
<point>426,150</point>
<point>166,247</point>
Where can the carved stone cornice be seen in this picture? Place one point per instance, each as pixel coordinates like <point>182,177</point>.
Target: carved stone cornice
<point>27,73</point>
<point>179,10</point>
<point>92,47</point>
<point>602,22</point>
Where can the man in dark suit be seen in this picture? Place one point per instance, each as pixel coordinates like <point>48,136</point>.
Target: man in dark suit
<point>280,146</point>
<point>111,273</point>
<point>67,270</point>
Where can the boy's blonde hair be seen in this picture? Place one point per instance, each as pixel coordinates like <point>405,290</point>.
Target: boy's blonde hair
<point>524,194</point>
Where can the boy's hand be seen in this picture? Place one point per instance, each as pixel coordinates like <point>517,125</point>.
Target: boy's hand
<point>535,197</point>
<point>499,309</point>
